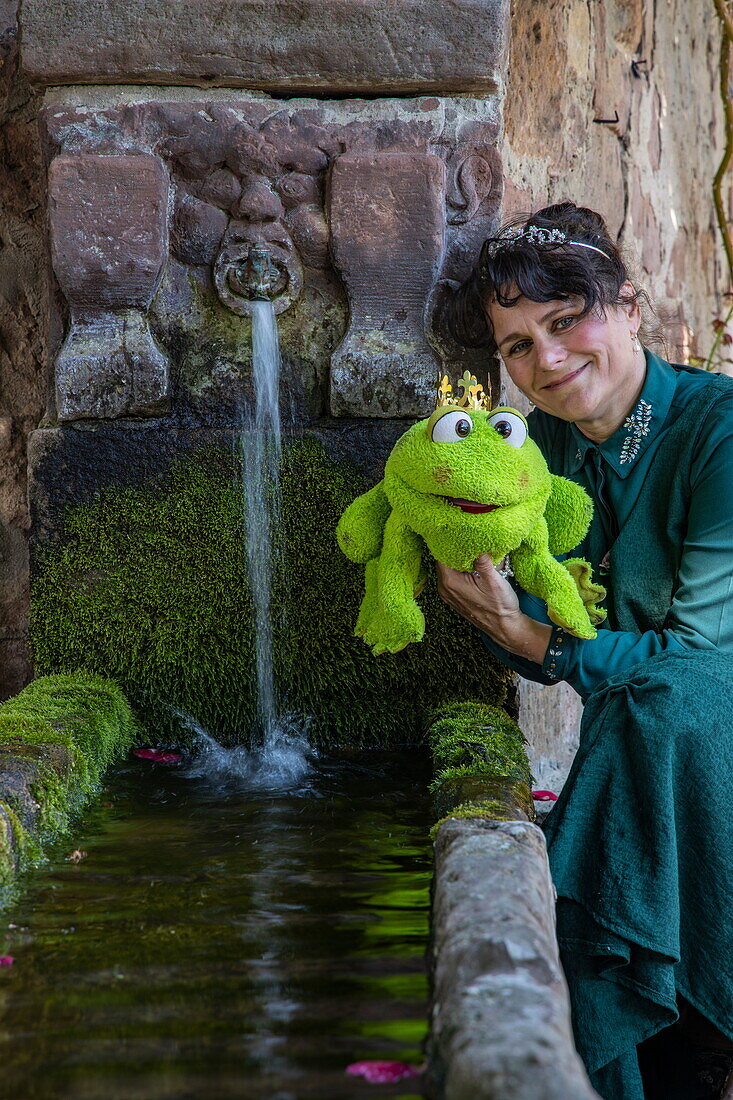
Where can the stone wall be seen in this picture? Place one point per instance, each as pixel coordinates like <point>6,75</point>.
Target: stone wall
<point>654,69</point>
<point>24,369</point>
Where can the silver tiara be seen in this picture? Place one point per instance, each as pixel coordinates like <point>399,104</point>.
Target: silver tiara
<point>535,234</point>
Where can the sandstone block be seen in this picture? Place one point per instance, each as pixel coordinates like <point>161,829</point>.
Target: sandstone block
<point>344,46</point>
<point>387,240</point>
<point>197,230</point>
<point>108,228</point>
<point>109,243</point>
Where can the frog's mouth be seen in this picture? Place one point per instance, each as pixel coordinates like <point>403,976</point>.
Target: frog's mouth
<point>472,506</point>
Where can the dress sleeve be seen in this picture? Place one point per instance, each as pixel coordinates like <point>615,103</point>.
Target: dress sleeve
<point>701,614</point>
<point>536,609</point>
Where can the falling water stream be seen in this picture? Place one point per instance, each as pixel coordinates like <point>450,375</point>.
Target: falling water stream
<point>279,746</point>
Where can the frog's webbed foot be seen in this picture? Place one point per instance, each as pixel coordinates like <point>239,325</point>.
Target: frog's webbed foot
<point>590,593</point>
<point>388,630</point>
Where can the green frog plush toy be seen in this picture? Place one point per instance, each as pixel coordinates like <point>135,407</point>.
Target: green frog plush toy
<point>467,482</point>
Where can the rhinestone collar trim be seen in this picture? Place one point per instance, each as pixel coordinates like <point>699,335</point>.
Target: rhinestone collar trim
<point>637,426</point>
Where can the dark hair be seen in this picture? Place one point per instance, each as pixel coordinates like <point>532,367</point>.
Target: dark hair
<point>511,267</point>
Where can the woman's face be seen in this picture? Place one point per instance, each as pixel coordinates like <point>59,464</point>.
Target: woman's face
<point>579,368</point>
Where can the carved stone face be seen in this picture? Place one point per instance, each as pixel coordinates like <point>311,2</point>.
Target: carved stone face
<point>366,209</point>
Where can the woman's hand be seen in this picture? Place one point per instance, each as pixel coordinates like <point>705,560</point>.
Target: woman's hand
<point>487,600</point>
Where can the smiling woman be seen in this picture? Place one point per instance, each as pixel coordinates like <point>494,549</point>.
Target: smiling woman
<point>640,841</point>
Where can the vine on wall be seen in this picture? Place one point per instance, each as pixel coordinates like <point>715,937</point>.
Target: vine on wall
<point>720,357</point>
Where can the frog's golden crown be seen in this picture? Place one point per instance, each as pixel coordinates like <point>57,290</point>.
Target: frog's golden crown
<point>469,393</point>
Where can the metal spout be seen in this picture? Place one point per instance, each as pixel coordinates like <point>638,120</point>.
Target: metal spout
<point>259,273</point>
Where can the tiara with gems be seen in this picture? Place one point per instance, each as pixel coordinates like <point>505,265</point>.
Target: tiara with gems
<point>473,396</point>
<point>537,235</point>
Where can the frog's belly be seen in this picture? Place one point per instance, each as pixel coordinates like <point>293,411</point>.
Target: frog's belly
<point>458,544</point>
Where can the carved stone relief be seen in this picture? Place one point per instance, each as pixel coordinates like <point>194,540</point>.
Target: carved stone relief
<point>368,209</point>
<point>109,244</point>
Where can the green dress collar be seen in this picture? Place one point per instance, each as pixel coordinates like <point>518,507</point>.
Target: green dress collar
<point>623,449</point>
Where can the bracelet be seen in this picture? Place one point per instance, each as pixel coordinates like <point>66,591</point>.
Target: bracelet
<point>557,640</point>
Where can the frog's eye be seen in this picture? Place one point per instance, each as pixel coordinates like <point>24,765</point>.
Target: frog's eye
<point>510,425</point>
<point>449,426</point>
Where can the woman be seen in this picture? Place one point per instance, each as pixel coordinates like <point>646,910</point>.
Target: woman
<point>640,841</point>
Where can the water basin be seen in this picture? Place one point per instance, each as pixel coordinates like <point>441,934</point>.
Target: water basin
<point>219,941</point>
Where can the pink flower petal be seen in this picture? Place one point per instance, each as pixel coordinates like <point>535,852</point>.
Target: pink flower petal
<point>158,755</point>
<point>382,1073</point>
<point>544,796</point>
<point>6,960</point>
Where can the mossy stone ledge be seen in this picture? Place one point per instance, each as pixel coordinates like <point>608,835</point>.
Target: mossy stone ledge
<point>480,764</point>
<point>57,738</point>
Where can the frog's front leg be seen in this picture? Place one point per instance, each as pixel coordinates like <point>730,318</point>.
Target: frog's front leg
<point>539,573</point>
<point>370,603</point>
<point>394,618</point>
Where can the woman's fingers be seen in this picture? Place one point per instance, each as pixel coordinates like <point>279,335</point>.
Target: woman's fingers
<point>480,596</point>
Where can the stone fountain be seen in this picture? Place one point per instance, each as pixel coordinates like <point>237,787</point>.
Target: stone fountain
<point>360,144</point>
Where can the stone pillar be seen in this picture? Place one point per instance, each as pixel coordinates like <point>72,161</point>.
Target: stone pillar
<point>387,240</point>
<point>109,243</point>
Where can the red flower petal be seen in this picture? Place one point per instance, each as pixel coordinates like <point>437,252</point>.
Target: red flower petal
<point>382,1073</point>
<point>158,755</point>
<point>544,796</point>
<point>6,960</point>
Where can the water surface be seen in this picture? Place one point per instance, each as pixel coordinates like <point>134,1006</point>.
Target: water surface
<point>224,942</point>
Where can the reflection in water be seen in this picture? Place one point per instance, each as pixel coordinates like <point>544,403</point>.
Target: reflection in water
<point>242,944</point>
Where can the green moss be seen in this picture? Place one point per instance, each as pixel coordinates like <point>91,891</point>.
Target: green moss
<point>492,809</point>
<point>480,763</point>
<point>85,715</point>
<point>471,738</point>
<point>149,586</point>
<point>7,846</point>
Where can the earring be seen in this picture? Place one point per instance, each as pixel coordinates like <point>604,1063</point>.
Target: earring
<point>635,341</point>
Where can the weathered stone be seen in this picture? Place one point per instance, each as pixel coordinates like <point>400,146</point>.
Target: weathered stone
<point>512,799</point>
<point>343,46</point>
<point>387,226</point>
<point>259,203</point>
<point>8,27</point>
<point>310,234</point>
<point>255,171</point>
<point>109,242</point>
<point>197,230</point>
<point>573,63</point>
<point>222,188</point>
<point>108,367</point>
<point>500,1025</point>
<point>17,776</point>
<point>550,717</point>
<point>56,755</point>
<point>24,323</point>
<point>108,228</point>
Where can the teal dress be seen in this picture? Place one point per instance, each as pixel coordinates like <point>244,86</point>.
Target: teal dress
<point>640,840</point>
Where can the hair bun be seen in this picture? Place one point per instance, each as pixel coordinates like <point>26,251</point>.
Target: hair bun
<point>577,222</point>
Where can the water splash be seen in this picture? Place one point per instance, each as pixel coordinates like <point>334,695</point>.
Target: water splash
<point>279,746</point>
<point>281,761</point>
